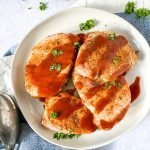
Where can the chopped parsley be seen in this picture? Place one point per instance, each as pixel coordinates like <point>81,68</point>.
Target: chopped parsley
<point>77,45</point>
<point>56,67</point>
<point>106,85</point>
<point>87,25</point>
<point>54,115</point>
<point>112,36</point>
<point>56,52</point>
<point>61,135</point>
<point>112,83</point>
<point>70,130</point>
<point>116,60</point>
<point>129,7</point>
<point>142,12</point>
<point>119,85</point>
<point>42,6</point>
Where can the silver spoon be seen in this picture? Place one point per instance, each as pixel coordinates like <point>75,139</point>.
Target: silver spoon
<point>9,121</point>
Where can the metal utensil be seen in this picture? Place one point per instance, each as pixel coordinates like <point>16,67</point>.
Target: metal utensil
<point>9,121</point>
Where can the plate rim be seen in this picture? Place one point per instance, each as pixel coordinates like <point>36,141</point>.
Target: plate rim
<point>19,105</point>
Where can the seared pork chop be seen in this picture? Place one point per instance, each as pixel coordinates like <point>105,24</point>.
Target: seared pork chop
<point>102,59</point>
<point>71,114</point>
<point>108,102</point>
<point>49,64</point>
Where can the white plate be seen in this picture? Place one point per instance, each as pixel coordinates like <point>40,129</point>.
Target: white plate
<point>68,21</point>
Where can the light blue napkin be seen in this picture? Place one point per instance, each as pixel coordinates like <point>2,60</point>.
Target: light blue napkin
<point>28,139</point>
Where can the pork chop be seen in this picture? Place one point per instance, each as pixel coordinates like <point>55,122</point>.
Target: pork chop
<point>49,65</point>
<point>108,102</point>
<point>71,115</point>
<point>102,58</point>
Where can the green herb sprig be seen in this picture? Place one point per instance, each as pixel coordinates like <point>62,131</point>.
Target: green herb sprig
<point>54,115</point>
<point>112,83</point>
<point>119,85</point>
<point>56,67</point>
<point>61,135</point>
<point>112,36</point>
<point>87,25</point>
<point>142,12</point>
<point>77,45</point>
<point>129,7</point>
<point>42,6</point>
<point>56,52</point>
<point>116,60</point>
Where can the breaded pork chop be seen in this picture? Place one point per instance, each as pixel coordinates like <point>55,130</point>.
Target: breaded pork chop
<point>108,102</point>
<point>49,64</point>
<point>71,115</point>
<point>102,59</point>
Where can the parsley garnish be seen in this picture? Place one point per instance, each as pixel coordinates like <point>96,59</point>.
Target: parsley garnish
<point>56,67</point>
<point>70,130</point>
<point>42,6</point>
<point>77,45</point>
<point>87,25</point>
<point>108,84</point>
<point>54,115</point>
<point>142,12</point>
<point>61,135</point>
<point>56,52</point>
<point>119,85</point>
<point>112,36</point>
<point>129,8</point>
<point>112,83</point>
<point>116,60</point>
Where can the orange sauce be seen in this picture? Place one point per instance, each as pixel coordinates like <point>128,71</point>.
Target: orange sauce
<point>109,124</point>
<point>87,122</point>
<point>111,93</point>
<point>64,107</point>
<point>113,47</point>
<point>79,85</point>
<point>135,89</point>
<point>50,82</point>
<point>120,71</point>
<point>42,99</point>
<point>99,42</point>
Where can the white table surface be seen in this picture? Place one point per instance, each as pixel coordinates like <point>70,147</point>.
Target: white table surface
<point>16,19</point>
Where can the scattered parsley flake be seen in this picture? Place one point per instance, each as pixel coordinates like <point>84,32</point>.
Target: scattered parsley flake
<point>129,8</point>
<point>112,36</point>
<point>106,85</point>
<point>119,85</point>
<point>42,6</point>
<point>87,25</point>
<point>77,45</point>
<point>61,135</point>
<point>56,52</point>
<point>109,84</point>
<point>116,60</point>
<point>54,115</point>
<point>70,130</point>
<point>56,67</point>
<point>142,12</point>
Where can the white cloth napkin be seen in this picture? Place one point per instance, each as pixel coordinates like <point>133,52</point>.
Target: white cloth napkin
<point>138,138</point>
